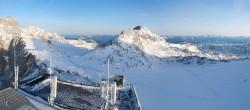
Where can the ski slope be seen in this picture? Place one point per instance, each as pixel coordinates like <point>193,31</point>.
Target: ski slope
<point>223,86</point>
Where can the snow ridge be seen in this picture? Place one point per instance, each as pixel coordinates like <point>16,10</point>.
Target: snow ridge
<point>38,33</point>
<point>139,47</point>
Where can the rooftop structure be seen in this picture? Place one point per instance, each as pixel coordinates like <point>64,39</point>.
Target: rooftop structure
<point>118,79</point>
<point>10,99</point>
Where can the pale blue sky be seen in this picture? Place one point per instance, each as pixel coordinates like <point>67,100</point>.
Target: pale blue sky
<point>172,17</point>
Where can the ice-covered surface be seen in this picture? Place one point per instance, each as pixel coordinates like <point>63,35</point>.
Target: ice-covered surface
<point>127,99</point>
<point>39,105</point>
<point>38,102</point>
<point>78,96</point>
<point>84,97</point>
<point>222,86</point>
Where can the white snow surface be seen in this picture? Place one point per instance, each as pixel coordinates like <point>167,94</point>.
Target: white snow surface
<point>155,45</point>
<point>152,44</point>
<point>223,86</point>
<point>45,45</point>
<point>170,86</point>
<point>137,47</point>
<point>83,44</point>
<point>38,33</point>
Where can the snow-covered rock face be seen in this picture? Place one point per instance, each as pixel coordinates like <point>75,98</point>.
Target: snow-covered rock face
<point>132,48</point>
<point>139,47</point>
<point>38,33</point>
<point>35,32</point>
<point>153,44</point>
<point>83,44</point>
<point>9,27</point>
<point>139,35</point>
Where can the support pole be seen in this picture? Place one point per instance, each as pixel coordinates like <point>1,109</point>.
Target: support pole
<point>53,90</point>
<point>16,77</point>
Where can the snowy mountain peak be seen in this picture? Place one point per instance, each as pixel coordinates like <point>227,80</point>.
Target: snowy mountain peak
<point>36,32</point>
<point>142,28</point>
<point>137,27</point>
<point>138,36</point>
<point>9,27</point>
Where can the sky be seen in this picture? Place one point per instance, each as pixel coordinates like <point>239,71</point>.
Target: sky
<point>163,17</point>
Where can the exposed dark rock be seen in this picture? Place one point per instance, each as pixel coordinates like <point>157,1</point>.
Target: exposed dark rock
<point>137,28</point>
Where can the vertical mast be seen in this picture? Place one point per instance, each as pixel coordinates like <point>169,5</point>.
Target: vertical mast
<point>50,70</point>
<point>53,85</point>
<point>14,55</point>
<point>53,90</point>
<point>16,68</point>
<point>108,83</point>
<point>108,71</point>
<point>16,77</point>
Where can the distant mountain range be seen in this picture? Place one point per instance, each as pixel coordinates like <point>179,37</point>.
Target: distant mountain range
<point>132,48</point>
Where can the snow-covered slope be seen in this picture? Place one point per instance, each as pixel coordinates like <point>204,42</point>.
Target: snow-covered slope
<point>135,47</point>
<point>45,46</point>
<point>83,44</point>
<point>170,86</point>
<point>8,29</point>
<point>222,86</point>
<point>139,47</point>
<point>35,32</point>
<point>153,44</point>
<point>167,86</point>
<point>38,33</point>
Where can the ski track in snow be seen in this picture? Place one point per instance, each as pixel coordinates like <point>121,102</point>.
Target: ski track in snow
<point>202,81</point>
<point>172,93</point>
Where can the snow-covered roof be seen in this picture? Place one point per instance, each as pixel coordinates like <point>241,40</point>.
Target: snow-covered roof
<point>10,99</point>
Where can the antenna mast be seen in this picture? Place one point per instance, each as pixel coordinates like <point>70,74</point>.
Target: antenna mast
<point>50,70</point>
<point>107,88</point>
<point>16,77</point>
<point>53,86</point>
<point>108,72</point>
<point>105,91</point>
<point>53,90</point>
<point>16,68</point>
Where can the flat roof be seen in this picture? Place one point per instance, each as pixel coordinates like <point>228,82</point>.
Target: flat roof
<point>10,99</point>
